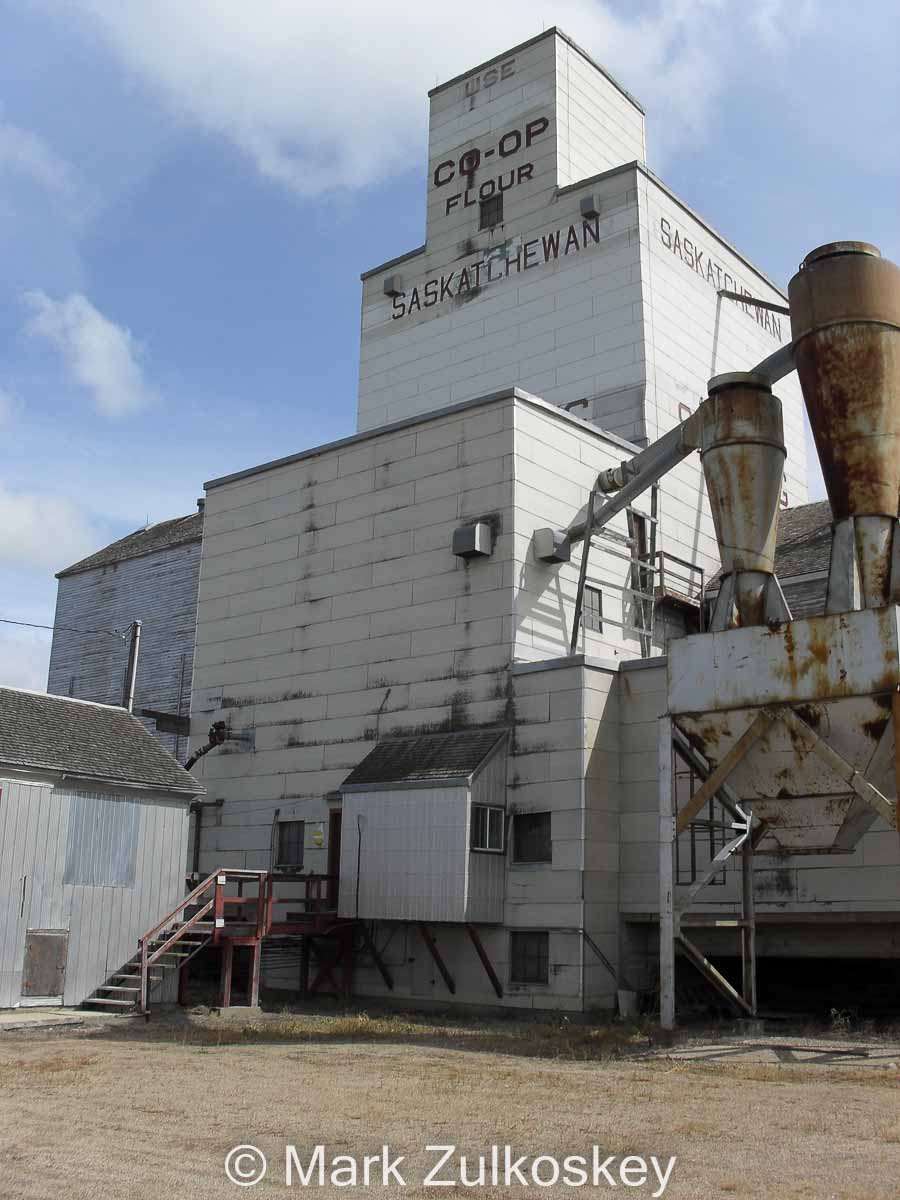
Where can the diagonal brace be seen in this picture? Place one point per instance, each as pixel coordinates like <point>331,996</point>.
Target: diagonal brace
<point>808,738</point>
<point>760,725</point>
<point>712,868</point>
<point>716,978</point>
<point>686,752</point>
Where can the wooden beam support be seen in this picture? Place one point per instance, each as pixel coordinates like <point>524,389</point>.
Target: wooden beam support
<point>225,977</point>
<point>728,798</point>
<point>612,970</point>
<point>485,961</point>
<point>760,725</point>
<point>369,943</point>
<point>256,954</point>
<point>304,967</point>
<point>709,972</point>
<point>436,955</point>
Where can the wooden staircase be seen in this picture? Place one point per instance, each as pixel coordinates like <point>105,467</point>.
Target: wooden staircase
<point>198,921</point>
<point>121,992</point>
<point>236,908</point>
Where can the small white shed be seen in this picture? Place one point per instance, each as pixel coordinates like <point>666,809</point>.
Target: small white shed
<point>424,830</point>
<point>93,843</point>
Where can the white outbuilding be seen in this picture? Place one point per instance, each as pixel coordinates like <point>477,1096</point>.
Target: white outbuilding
<point>93,843</point>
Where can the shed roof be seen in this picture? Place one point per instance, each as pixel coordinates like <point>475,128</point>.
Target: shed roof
<point>81,738</point>
<point>431,758</point>
<point>164,535</point>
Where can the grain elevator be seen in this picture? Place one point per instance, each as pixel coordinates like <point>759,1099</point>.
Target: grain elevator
<point>481,657</point>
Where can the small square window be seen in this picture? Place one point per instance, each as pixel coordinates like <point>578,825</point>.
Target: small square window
<point>529,956</point>
<point>592,609</point>
<point>491,212</point>
<point>531,838</point>
<point>289,850</point>
<point>487,828</point>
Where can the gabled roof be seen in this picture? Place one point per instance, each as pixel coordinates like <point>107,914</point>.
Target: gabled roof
<point>164,535</point>
<point>441,758</point>
<point>87,740</point>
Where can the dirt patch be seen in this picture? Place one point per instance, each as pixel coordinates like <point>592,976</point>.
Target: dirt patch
<point>144,1111</point>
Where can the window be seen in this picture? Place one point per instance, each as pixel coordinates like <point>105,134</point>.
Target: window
<point>592,611</point>
<point>529,957</point>
<point>487,828</point>
<point>491,212</point>
<point>531,838</point>
<point>289,851</point>
<point>101,850</point>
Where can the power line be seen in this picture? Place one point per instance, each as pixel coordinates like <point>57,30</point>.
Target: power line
<point>66,628</point>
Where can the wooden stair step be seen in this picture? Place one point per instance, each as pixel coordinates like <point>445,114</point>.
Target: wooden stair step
<point>110,1003</point>
<point>111,987</point>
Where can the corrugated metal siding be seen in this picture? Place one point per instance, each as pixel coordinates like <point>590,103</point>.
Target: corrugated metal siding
<point>161,591</point>
<point>413,854</point>
<point>104,922</point>
<point>102,841</point>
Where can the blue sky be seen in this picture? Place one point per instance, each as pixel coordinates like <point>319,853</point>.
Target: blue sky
<point>189,190</point>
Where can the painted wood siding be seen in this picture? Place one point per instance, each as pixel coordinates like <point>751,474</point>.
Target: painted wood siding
<point>160,590</point>
<point>104,922</point>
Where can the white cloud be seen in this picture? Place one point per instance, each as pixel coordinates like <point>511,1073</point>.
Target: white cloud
<point>26,154</point>
<point>329,96</point>
<point>101,356</point>
<point>39,531</point>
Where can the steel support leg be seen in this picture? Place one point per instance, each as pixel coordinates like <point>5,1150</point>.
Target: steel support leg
<point>666,876</point>
<point>748,929</point>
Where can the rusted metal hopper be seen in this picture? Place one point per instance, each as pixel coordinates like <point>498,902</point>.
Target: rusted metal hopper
<point>742,451</point>
<point>845,321</point>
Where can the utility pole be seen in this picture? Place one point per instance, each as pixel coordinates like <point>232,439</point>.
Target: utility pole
<point>131,670</point>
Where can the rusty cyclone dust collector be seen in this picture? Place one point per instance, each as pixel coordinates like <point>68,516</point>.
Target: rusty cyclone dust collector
<point>845,321</point>
<point>742,451</point>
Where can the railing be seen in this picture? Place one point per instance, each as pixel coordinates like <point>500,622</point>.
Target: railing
<point>319,895</point>
<point>211,899</point>
<point>678,578</point>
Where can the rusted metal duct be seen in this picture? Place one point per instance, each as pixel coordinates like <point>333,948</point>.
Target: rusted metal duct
<point>742,451</point>
<point>845,322</point>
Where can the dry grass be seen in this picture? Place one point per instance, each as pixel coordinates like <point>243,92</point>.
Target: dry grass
<point>149,1111</point>
<point>560,1039</point>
